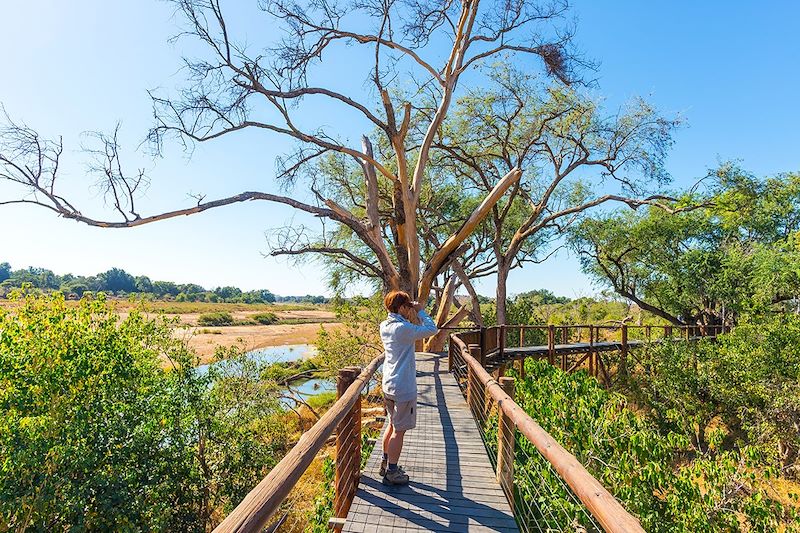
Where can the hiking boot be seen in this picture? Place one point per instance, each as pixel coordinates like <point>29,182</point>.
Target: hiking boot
<point>395,477</point>
<point>385,466</point>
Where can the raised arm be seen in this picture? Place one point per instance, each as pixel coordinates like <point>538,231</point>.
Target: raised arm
<point>414,332</point>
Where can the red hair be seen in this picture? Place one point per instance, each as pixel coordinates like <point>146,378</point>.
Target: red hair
<point>395,300</point>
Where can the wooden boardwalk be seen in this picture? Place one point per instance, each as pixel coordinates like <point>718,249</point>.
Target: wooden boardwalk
<point>575,347</point>
<point>453,485</point>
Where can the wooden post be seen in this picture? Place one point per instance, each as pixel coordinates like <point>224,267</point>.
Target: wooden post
<point>348,447</point>
<point>667,331</point>
<point>551,344</point>
<point>648,330</point>
<point>505,445</point>
<point>356,448</point>
<point>623,360</point>
<point>451,347</point>
<point>472,400</point>
<point>522,367</point>
<point>521,336</point>
<point>564,335</point>
<point>482,339</point>
<point>591,352</point>
<point>470,387</point>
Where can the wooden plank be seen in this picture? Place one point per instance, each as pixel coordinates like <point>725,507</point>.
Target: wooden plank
<point>453,485</point>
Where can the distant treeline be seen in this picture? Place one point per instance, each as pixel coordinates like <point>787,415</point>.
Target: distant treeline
<point>120,283</point>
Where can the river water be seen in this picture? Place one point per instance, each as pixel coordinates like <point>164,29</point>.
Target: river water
<point>285,354</point>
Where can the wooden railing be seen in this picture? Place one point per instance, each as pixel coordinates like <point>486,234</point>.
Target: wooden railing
<point>588,341</point>
<point>488,397</point>
<point>343,418</point>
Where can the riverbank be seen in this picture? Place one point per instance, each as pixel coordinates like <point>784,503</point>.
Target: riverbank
<point>297,324</point>
<point>204,341</point>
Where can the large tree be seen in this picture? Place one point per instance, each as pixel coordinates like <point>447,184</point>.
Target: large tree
<point>413,56</point>
<point>578,158</point>
<point>737,254</point>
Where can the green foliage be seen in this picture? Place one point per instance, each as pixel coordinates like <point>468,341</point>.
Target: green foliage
<point>96,435</point>
<point>217,318</point>
<point>281,371</point>
<point>118,281</point>
<point>323,504</point>
<point>748,379</point>
<point>322,400</point>
<point>358,341</point>
<point>645,469</point>
<point>264,318</point>
<point>738,255</point>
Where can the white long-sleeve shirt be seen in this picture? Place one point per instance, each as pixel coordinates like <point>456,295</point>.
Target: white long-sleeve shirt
<point>399,367</point>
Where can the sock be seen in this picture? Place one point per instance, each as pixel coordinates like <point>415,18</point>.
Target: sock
<point>392,467</point>
<point>385,457</point>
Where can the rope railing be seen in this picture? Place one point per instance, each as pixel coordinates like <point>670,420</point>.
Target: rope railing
<point>343,419</point>
<point>548,489</point>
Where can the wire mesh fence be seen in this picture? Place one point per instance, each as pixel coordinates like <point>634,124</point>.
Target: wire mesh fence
<point>540,496</point>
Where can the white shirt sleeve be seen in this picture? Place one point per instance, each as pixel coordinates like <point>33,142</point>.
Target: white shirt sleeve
<point>413,332</point>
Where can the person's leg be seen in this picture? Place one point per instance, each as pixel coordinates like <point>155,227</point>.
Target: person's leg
<point>387,437</point>
<point>395,446</point>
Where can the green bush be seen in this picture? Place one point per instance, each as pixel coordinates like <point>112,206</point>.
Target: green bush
<point>265,319</point>
<point>217,318</point>
<point>748,379</point>
<point>281,371</point>
<point>647,470</point>
<point>96,435</point>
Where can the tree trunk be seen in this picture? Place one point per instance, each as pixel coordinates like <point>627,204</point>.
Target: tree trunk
<point>436,343</point>
<point>502,290</point>
<point>446,301</point>
<point>475,311</point>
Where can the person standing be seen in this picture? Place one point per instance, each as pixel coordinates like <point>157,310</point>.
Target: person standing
<point>398,334</point>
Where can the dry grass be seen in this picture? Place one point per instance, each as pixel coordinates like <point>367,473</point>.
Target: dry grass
<point>180,308</point>
<point>303,329</point>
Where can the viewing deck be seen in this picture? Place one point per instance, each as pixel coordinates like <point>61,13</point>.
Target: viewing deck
<point>453,485</point>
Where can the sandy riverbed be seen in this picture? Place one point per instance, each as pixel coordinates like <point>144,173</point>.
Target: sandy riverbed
<point>252,337</point>
<point>205,340</point>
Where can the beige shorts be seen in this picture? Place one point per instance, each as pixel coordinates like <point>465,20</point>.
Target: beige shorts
<point>403,415</point>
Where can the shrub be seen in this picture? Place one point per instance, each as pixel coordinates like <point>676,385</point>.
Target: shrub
<point>96,435</point>
<point>749,379</point>
<point>718,490</point>
<point>264,318</point>
<point>218,318</point>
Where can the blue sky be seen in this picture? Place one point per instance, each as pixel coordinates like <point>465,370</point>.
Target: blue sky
<point>729,68</point>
